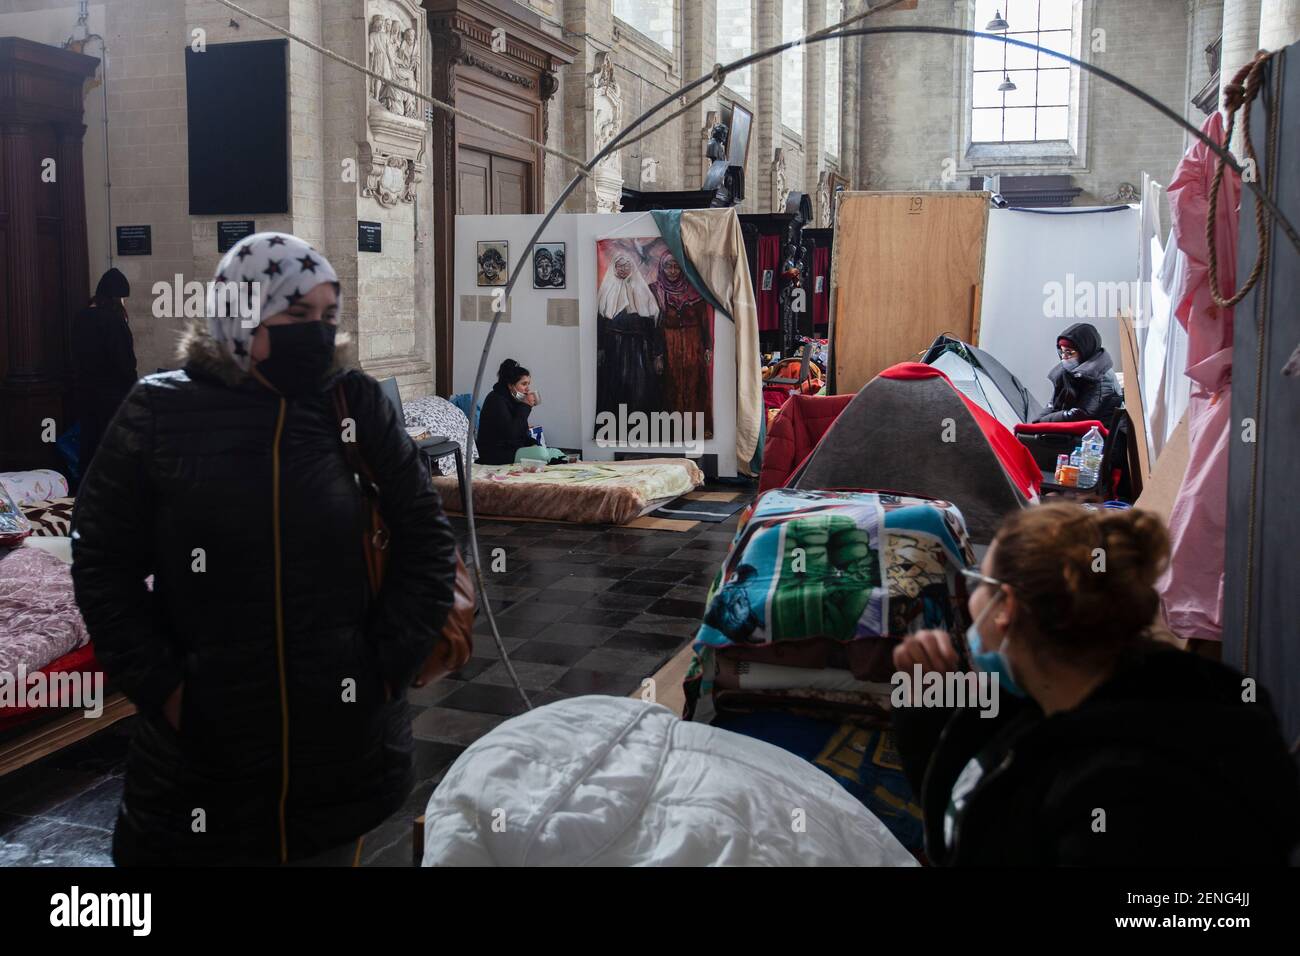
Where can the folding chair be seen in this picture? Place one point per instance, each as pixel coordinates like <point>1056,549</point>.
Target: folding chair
<point>432,447</point>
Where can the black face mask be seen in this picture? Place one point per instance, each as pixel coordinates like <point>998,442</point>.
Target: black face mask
<point>301,354</point>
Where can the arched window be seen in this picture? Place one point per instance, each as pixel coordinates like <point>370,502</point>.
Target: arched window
<point>1020,95</point>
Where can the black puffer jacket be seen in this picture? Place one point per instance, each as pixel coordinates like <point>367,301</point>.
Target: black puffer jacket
<point>1185,772</point>
<point>503,427</point>
<point>1090,392</point>
<point>243,508</point>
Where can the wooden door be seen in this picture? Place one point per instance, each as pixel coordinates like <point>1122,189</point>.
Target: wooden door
<point>473,178</point>
<point>510,181</point>
<point>490,184</point>
<point>905,267</point>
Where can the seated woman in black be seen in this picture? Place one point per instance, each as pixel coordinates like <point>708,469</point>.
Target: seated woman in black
<point>1084,387</point>
<point>503,422</point>
<point>1102,746</point>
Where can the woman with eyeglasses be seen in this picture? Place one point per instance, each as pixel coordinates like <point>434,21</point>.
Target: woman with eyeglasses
<point>1106,747</point>
<point>1084,386</point>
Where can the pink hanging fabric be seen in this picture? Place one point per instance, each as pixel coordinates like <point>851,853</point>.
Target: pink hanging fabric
<point>1191,591</point>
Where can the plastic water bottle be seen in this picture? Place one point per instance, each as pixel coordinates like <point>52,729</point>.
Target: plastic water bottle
<point>1090,457</point>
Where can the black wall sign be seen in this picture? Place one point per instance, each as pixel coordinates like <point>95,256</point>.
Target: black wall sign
<point>231,231</point>
<point>241,170</point>
<point>135,240</point>
<point>370,236</point>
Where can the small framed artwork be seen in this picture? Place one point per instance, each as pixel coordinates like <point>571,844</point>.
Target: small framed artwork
<point>818,287</point>
<point>548,265</point>
<point>767,280</point>
<point>493,262</point>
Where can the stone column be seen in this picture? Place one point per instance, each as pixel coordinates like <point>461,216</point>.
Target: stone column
<point>814,103</point>
<point>590,27</point>
<point>1279,23</point>
<point>699,53</point>
<point>850,68</point>
<point>1240,43</point>
<point>767,101</point>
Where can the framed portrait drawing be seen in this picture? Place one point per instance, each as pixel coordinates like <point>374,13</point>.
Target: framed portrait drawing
<point>548,265</point>
<point>493,262</point>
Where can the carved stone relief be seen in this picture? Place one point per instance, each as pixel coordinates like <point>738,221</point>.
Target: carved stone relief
<point>394,149</point>
<point>780,186</point>
<point>608,109</point>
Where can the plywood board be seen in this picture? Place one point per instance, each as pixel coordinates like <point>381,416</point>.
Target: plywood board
<point>1133,404</point>
<point>905,268</point>
<point>1161,490</point>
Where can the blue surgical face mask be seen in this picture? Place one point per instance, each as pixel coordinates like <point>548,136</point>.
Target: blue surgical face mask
<point>1070,364</point>
<point>992,662</point>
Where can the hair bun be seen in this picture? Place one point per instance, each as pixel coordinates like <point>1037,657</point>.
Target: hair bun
<point>1143,535</point>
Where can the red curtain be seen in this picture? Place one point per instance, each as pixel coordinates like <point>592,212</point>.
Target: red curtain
<point>822,298</point>
<point>769,306</point>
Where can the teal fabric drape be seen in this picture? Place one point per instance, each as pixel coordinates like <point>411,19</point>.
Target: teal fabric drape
<point>669,222</point>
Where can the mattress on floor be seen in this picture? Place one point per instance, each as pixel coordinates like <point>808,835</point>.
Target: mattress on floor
<point>588,492</point>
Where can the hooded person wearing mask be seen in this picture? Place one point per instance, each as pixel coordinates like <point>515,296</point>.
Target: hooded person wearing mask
<point>1084,387</point>
<point>269,680</point>
<point>103,361</point>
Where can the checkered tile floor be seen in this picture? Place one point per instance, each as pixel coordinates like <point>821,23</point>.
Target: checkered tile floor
<point>581,610</point>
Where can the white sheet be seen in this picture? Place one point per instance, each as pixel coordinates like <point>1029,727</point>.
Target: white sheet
<point>613,781</point>
<point>1165,388</point>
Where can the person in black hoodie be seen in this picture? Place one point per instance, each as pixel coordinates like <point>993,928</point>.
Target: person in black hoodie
<point>270,680</point>
<point>103,362</point>
<point>1084,386</point>
<point>503,422</point>
<point>1107,748</point>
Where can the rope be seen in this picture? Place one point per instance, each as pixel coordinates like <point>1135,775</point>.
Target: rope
<point>1239,95</point>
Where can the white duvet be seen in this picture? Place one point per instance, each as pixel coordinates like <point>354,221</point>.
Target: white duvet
<point>613,781</point>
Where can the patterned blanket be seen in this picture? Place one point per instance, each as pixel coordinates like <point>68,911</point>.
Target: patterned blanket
<point>815,579</point>
<point>52,519</point>
<point>431,415</point>
<point>39,620</point>
<point>601,492</point>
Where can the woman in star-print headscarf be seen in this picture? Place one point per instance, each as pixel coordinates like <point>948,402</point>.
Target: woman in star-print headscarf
<point>269,680</point>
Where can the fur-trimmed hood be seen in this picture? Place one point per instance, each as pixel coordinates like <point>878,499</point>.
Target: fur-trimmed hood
<point>203,355</point>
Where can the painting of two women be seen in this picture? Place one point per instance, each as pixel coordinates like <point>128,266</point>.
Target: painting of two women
<point>654,333</point>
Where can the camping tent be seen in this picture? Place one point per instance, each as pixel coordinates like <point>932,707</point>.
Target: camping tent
<point>910,431</point>
<point>984,380</point>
